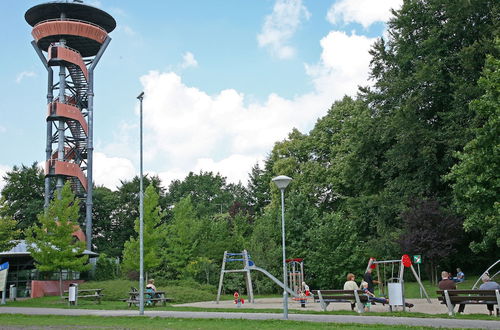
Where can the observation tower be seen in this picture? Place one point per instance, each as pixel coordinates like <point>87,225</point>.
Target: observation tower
<point>70,37</point>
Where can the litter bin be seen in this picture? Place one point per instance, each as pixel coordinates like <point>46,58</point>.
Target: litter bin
<point>12,292</point>
<point>73,294</point>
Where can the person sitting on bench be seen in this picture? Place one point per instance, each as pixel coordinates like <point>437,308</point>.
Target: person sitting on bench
<point>351,285</point>
<point>371,296</point>
<point>460,276</point>
<point>488,284</point>
<point>151,291</point>
<point>447,284</point>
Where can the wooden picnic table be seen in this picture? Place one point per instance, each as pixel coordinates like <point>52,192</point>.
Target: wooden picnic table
<point>157,296</point>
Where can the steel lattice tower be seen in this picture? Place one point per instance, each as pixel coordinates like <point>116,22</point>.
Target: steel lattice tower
<point>74,36</point>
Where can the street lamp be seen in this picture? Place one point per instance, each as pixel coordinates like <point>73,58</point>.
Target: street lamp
<point>282,182</point>
<point>141,218</point>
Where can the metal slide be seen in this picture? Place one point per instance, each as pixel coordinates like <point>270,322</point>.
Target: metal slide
<point>275,280</point>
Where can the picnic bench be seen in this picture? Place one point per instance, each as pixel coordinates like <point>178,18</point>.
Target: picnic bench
<point>468,297</point>
<point>94,294</point>
<point>152,297</point>
<point>354,297</point>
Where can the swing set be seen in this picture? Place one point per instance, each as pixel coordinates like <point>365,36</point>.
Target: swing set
<point>394,285</point>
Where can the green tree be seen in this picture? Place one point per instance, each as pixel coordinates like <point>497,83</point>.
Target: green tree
<point>154,233</point>
<point>22,195</point>
<point>52,244</point>
<point>120,224</point>
<point>209,193</point>
<point>105,206</point>
<point>426,74</point>
<point>475,179</point>
<point>183,236</point>
<point>8,233</point>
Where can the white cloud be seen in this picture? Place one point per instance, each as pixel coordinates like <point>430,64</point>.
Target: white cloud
<point>24,74</point>
<point>187,129</point>
<point>3,170</point>
<point>234,168</point>
<point>280,26</point>
<point>127,30</point>
<point>3,129</point>
<point>108,171</point>
<point>344,63</point>
<point>364,12</point>
<point>188,61</point>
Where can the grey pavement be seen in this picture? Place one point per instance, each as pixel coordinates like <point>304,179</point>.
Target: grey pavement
<point>361,319</point>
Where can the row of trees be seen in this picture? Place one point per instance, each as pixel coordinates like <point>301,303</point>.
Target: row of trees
<point>408,166</point>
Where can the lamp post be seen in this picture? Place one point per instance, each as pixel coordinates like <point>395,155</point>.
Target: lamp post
<point>141,218</point>
<point>282,182</point>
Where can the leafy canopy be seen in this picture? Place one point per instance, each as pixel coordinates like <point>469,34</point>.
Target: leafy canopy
<point>51,243</point>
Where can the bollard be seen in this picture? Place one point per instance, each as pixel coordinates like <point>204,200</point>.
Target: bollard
<point>12,292</point>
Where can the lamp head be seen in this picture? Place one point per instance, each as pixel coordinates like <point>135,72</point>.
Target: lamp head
<point>141,96</point>
<point>282,181</point>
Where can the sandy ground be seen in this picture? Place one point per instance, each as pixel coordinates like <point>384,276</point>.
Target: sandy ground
<point>421,306</point>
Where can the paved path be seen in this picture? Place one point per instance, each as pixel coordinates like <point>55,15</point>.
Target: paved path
<point>429,322</point>
<point>421,306</point>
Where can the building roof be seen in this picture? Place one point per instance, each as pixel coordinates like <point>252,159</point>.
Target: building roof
<point>73,10</point>
<point>21,249</point>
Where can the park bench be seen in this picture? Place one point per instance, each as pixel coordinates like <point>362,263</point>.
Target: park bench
<point>468,297</point>
<point>325,297</point>
<point>158,297</point>
<point>93,294</point>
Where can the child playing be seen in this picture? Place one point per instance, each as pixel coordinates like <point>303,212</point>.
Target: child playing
<point>371,296</point>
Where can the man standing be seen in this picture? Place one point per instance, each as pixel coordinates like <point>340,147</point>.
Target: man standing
<point>369,279</point>
<point>447,284</point>
<point>488,284</point>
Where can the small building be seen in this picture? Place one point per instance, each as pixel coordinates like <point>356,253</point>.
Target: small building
<point>28,280</point>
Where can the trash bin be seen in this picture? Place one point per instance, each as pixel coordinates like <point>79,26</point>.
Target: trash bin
<point>12,292</point>
<point>73,294</point>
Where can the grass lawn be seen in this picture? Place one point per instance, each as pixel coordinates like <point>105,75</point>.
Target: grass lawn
<point>100,322</point>
<point>187,292</point>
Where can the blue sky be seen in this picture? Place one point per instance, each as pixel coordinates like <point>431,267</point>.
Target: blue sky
<point>223,79</point>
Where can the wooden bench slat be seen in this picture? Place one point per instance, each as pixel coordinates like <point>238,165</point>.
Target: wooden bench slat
<point>471,298</point>
<point>467,297</point>
<point>474,292</point>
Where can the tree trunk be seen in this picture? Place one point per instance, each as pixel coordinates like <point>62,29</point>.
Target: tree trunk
<point>61,284</point>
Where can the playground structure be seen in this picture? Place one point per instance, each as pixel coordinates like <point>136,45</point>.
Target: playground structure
<point>295,273</point>
<point>487,271</point>
<point>74,37</point>
<point>395,284</point>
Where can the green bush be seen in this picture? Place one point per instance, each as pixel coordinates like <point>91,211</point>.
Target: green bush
<point>106,268</point>
<point>112,289</point>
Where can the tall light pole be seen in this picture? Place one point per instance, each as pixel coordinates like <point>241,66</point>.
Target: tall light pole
<point>282,182</point>
<point>141,219</point>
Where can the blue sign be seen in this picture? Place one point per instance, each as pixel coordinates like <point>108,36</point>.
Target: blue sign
<point>4,266</point>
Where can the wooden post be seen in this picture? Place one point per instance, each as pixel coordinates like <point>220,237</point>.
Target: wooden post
<point>420,283</point>
<point>448,303</point>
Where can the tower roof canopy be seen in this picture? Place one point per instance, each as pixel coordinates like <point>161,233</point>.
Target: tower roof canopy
<point>72,10</point>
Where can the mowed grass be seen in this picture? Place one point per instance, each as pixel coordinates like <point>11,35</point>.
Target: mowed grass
<point>100,322</point>
<point>191,292</point>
